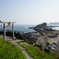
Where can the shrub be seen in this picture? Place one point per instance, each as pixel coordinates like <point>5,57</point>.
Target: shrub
<point>30,42</point>
<point>40,46</point>
<point>47,50</point>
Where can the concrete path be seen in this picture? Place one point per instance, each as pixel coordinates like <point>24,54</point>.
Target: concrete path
<point>23,50</point>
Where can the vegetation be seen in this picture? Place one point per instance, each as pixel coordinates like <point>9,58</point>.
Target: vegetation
<point>55,54</point>
<point>45,49</point>
<point>30,42</point>
<point>10,51</point>
<point>51,52</point>
<point>36,53</point>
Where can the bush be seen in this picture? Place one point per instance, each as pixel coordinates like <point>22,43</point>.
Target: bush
<point>40,46</point>
<point>30,42</point>
<point>47,50</point>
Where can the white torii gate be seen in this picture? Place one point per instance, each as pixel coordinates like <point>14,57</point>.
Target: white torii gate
<point>4,28</point>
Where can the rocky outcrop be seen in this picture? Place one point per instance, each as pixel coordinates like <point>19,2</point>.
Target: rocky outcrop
<point>43,27</point>
<point>51,38</point>
<point>9,33</point>
<point>32,36</point>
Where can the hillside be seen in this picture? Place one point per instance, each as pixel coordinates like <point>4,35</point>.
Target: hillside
<point>10,51</point>
<point>36,53</point>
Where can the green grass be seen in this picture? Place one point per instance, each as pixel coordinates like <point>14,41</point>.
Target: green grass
<point>36,53</point>
<point>10,51</point>
<point>55,54</point>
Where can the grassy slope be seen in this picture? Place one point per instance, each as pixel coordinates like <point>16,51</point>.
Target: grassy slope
<point>36,53</point>
<point>10,51</point>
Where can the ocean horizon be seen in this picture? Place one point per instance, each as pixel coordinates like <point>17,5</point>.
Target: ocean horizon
<point>25,28</point>
<point>20,28</point>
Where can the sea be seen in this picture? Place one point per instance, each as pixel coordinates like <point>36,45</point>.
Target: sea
<point>25,28</point>
<point>56,24</point>
<point>20,28</point>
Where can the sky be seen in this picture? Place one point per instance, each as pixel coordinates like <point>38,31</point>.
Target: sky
<point>29,12</point>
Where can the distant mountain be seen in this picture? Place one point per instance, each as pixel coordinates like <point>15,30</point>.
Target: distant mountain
<point>54,24</point>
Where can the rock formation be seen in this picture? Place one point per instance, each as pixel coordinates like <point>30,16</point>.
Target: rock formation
<point>43,27</point>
